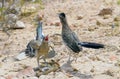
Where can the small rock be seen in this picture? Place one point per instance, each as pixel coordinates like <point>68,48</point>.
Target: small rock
<point>105,11</point>
<point>2,78</point>
<point>42,77</point>
<point>28,72</point>
<point>92,70</point>
<point>19,25</point>
<point>57,23</point>
<point>21,56</point>
<point>118,63</point>
<point>33,77</point>
<point>106,16</point>
<point>79,17</point>
<point>117,18</point>
<point>110,73</point>
<point>98,23</point>
<point>91,28</point>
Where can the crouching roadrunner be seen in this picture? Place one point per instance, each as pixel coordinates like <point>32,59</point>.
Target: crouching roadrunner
<point>30,51</point>
<point>71,40</point>
<point>43,50</point>
<point>38,47</point>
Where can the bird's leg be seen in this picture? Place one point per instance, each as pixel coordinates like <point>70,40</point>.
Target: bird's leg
<point>38,62</point>
<point>75,57</point>
<point>69,59</point>
<point>38,58</point>
<point>45,60</point>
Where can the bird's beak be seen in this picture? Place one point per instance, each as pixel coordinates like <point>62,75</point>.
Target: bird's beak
<point>58,14</point>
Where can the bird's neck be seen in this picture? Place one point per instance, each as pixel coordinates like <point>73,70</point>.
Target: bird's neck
<point>65,26</point>
<point>45,42</point>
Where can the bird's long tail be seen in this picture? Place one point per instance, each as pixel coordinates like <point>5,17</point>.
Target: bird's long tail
<point>30,51</point>
<point>39,32</point>
<point>91,45</point>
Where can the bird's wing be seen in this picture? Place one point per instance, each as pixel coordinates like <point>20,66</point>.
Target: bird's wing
<point>71,43</point>
<point>75,37</point>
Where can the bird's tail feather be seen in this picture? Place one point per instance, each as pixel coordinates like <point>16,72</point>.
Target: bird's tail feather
<point>91,45</point>
<point>39,31</point>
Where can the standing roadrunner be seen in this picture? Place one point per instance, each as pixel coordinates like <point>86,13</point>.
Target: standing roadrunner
<point>71,40</point>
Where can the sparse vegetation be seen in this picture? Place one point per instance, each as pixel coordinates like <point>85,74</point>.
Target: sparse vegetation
<point>118,2</point>
<point>25,10</point>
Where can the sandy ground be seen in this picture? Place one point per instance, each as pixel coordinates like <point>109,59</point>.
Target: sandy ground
<point>83,18</point>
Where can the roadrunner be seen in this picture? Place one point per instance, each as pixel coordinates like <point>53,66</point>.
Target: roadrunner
<point>30,51</point>
<point>39,46</point>
<point>71,40</point>
<point>43,50</point>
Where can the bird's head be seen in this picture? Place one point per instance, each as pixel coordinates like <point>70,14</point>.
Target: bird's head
<point>62,15</point>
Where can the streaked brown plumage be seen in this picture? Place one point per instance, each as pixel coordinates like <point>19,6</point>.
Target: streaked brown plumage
<point>43,50</point>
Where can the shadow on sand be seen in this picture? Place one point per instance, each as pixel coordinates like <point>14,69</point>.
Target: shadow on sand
<point>68,69</point>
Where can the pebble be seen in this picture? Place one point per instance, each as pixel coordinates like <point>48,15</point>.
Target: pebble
<point>21,56</point>
<point>19,25</point>
<point>79,17</point>
<point>2,77</point>
<point>105,11</point>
